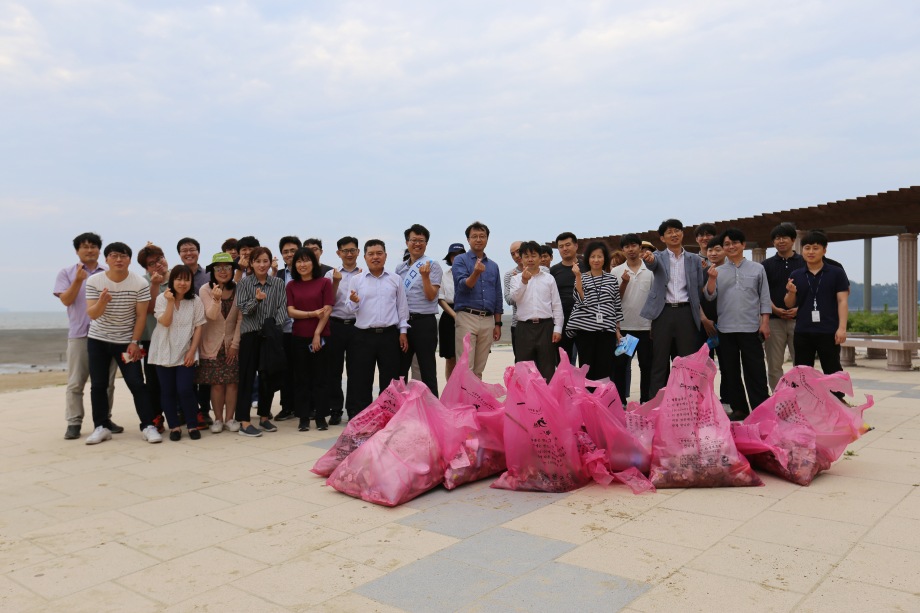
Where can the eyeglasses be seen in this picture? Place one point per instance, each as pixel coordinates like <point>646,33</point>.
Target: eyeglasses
<point>223,268</point>
<point>118,256</point>
<point>188,250</point>
<point>672,232</point>
<point>351,251</point>
<point>417,241</point>
<point>289,252</point>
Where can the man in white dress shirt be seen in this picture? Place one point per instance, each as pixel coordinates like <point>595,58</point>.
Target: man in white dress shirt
<point>378,301</point>
<point>539,312</point>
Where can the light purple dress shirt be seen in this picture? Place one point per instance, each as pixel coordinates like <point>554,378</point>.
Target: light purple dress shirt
<point>76,312</point>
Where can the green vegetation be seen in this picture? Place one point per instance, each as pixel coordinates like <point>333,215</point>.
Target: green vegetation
<point>883,323</point>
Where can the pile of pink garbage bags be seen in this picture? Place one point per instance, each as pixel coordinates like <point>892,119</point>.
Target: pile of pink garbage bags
<point>560,436</point>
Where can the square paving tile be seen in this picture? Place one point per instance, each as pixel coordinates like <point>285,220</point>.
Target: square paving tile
<point>560,587</point>
<point>690,591</point>
<point>458,519</point>
<point>873,384</point>
<point>634,558</point>
<point>564,523</point>
<point>835,594</point>
<point>506,551</point>
<point>433,585</point>
<point>390,546</point>
<point>887,567</point>
<point>324,443</point>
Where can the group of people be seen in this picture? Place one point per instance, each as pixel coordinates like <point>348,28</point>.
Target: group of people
<point>227,336</point>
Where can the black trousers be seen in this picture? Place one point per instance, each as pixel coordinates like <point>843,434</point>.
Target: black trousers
<point>369,348</point>
<point>423,343</point>
<point>535,342</point>
<point>101,355</point>
<point>566,343</point>
<point>151,380</point>
<point>741,355</point>
<point>622,366</point>
<point>250,346</point>
<point>338,360</point>
<point>674,326</point>
<point>595,348</point>
<point>310,377</point>
<point>809,344</point>
<point>287,383</point>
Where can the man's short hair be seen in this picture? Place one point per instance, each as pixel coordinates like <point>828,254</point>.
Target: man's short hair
<point>734,235</point>
<point>149,251</point>
<point>188,240</point>
<point>477,225</point>
<point>630,239</point>
<point>529,247</point>
<point>87,237</point>
<point>546,250</point>
<point>704,228</point>
<point>566,236</point>
<point>784,229</point>
<point>815,237</point>
<point>314,241</point>
<point>228,244</point>
<point>247,241</point>
<point>289,240</point>
<point>117,248</point>
<point>418,229</point>
<point>345,240</point>
<point>715,241</point>
<point>669,223</point>
<point>375,242</point>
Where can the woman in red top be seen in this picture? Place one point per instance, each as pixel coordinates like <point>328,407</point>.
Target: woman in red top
<point>310,299</point>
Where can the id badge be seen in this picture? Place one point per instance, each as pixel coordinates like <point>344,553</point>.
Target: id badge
<point>599,318</point>
<point>816,317</point>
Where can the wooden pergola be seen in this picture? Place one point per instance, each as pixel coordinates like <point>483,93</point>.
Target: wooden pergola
<point>893,213</point>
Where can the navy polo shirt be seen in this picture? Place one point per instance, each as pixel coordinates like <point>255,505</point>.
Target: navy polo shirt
<point>823,288</point>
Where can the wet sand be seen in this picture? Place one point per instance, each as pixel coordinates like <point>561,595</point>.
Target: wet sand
<point>32,358</point>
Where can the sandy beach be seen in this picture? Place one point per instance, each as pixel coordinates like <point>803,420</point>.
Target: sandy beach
<point>32,358</point>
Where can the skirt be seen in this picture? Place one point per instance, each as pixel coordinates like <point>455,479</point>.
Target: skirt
<point>218,371</point>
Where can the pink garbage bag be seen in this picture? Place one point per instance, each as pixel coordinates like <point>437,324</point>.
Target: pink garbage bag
<point>409,456</point>
<point>482,453</point>
<point>541,449</point>
<point>363,426</point>
<point>463,387</point>
<point>803,428</point>
<point>625,436</point>
<point>836,424</point>
<point>693,444</point>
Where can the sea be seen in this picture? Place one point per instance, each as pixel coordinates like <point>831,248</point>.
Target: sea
<point>22,320</point>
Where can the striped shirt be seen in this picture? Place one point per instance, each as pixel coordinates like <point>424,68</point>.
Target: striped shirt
<point>677,279</point>
<point>255,312</point>
<point>116,324</point>
<point>602,295</point>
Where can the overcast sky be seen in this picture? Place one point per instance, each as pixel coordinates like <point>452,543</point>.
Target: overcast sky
<point>154,120</point>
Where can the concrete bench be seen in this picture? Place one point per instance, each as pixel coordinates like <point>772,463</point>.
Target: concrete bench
<point>897,351</point>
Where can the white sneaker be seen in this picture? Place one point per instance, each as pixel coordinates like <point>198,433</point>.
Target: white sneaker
<point>232,425</point>
<point>217,426</point>
<point>99,434</point>
<point>151,435</point>
<point>255,404</point>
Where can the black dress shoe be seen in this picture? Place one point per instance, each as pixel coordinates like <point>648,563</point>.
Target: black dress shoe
<point>114,428</point>
<point>175,435</point>
<point>321,424</point>
<point>304,426</point>
<point>284,415</point>
<point>72,433</point>
<point>194,434</point>
<point>335,420</point>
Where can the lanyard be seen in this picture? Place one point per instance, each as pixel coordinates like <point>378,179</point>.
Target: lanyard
<point>814,290</point>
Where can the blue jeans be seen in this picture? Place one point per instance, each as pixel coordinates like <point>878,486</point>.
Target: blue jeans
<point>177,388</point>
<point>101,355</point>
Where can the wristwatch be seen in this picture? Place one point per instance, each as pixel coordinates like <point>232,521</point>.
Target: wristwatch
<point>498,323</point>
<point>133,342</point>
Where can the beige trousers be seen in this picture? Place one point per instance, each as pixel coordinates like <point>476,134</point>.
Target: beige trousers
<point>781,333</point>
<point>480,330</point>
<point>77,375</point>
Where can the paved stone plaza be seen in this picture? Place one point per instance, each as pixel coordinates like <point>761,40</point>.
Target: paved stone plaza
<point>230,523</point>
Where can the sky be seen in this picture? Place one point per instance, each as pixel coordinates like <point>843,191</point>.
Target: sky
<point>156,120</point>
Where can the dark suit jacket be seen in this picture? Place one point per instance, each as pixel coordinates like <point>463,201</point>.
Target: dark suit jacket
<point>661,271</point>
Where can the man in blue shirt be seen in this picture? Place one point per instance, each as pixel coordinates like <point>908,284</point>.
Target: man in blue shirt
<point>820,292</point>
<point>477,297</point>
